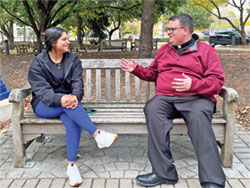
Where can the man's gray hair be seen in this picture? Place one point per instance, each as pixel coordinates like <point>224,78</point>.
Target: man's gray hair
<point>185,20</point>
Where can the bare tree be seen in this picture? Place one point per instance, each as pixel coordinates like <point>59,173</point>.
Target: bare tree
<point>237,4</point>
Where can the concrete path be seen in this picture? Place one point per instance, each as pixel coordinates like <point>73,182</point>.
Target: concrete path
<point>116,166</point>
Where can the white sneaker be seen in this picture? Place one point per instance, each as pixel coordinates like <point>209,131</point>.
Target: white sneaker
<point>74,175</point>
<point>105,139</point>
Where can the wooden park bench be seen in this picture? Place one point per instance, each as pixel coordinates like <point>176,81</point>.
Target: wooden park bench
<point>135,44</point>
<point>119,98</point>
<point>22,47</point>
<point>74,47</point>
<point>35,46</point>
<point>113,45</point>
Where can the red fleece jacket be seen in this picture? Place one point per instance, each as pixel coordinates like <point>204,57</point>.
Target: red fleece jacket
<point>200,62</point>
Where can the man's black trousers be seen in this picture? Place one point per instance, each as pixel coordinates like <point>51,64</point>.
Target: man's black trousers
<point>197,111</point>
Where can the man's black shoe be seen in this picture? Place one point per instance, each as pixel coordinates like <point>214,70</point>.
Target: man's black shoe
<point>211,185</point>
<point>151,180</point>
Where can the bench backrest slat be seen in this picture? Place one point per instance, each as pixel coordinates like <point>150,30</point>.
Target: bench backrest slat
<point>117,86</point>
<point>108,85</point>
<point>88,85</point>
<point>137,89</point>
<point>127,85</point>
<point>98,85</point>
<point>147,91</point>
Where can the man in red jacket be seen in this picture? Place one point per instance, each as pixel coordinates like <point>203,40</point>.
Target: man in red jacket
<point>188,74</point>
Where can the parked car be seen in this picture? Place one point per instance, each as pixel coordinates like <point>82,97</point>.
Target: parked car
<point>224,37</point>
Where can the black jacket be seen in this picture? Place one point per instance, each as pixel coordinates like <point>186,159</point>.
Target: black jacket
<point>45,85</point>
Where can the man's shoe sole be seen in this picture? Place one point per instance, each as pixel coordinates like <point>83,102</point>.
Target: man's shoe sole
<point>169,182</point>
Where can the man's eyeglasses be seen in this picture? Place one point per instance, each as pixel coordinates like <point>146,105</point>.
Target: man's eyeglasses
<point>171,30</point>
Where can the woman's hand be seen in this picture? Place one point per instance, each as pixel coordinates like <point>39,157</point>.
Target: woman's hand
<point>69,101</point>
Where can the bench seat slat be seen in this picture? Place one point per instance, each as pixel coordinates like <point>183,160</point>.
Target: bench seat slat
<point>110,118</point>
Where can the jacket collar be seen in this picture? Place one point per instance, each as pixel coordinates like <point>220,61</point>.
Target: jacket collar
<point>68,61</point>
<point>194,47</point>
<point>45,56</point>
<point>68,58</point>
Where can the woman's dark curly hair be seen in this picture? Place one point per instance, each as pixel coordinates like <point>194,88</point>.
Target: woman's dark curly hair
<point>51,36</point>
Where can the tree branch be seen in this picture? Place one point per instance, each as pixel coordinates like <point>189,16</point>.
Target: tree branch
<point>51,4</point>
<point>125,9</point>
<point>58,21</point>
<point>40,5</point>
<point>218,15</point>
<point>18,19</point>
<point>4,31</point>
<point>246,19</point>
<point>56,12</point>
<point>59,9</point>
<point>240,7</point>
<point>31,19</point>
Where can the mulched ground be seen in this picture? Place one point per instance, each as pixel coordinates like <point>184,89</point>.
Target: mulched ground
<point>236,65</point>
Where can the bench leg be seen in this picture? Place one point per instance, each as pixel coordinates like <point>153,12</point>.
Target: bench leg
<point>18,147</point>
<point>227,148</point>
<point>18,152</point>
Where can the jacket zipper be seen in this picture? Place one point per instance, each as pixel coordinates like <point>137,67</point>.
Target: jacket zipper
<point>55,77</point>
<point>67,72</point>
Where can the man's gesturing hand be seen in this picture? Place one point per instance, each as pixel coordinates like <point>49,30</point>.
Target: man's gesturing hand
<point>128,66</point>
<point>182,84</point>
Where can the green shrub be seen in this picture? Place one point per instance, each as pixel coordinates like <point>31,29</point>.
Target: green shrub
<point>163,39</point>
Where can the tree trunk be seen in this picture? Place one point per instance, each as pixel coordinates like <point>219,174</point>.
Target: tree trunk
<point>243,35</point>
<point>79,31</point>
<point>147,25</point>
<point>11,36</point>
<point>10,42</point>
<point>7,30</point>
<point>24,34</point>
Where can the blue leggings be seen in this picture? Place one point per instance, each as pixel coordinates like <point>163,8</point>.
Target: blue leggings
<point>73,120</point>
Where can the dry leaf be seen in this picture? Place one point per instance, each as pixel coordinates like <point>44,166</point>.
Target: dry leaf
<point>3,131</point>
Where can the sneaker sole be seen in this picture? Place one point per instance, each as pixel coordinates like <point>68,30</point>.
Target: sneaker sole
<point>76,184</point>
<point>115,138</point>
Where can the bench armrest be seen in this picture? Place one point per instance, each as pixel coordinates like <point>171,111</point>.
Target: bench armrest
<point>229,94</point>
<point>17,95</point>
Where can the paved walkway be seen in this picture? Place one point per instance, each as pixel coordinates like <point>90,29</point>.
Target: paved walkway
<point>116,166</point>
